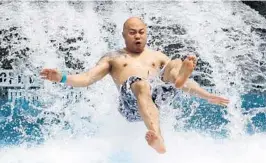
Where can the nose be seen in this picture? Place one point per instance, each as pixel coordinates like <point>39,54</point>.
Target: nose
<point>137,36</point>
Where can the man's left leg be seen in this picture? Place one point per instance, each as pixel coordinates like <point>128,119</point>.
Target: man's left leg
<point>178,72</point>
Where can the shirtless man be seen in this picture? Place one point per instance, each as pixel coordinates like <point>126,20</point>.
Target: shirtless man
<point>130,69</point>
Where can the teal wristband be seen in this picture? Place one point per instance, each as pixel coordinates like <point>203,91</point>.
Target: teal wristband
<point>64,79</point>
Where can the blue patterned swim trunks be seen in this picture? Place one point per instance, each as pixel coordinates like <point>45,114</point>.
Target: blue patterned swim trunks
<point>128,103</point>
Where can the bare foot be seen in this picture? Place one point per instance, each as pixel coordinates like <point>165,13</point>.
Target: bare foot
<point>185,71</point>
<point>155,141</point>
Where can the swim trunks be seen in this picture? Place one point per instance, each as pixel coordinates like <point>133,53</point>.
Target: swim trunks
<point>128,103</point>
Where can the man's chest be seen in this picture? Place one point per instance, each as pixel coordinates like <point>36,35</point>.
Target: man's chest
<point>138,62</point>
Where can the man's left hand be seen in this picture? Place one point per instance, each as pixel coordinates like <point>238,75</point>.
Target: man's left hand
<point>214,99</point>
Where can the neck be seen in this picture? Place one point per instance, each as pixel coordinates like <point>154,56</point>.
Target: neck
<point>132,52</point>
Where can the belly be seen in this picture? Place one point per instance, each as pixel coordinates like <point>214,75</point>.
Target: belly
<point>121,76</point>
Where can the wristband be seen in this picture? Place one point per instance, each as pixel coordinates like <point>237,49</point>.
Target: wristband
<point>64,79</point>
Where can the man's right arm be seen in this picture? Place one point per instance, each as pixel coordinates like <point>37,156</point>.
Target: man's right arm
<point>96,73</point>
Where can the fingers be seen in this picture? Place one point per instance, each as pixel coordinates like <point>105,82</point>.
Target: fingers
<point>219,101</point>
<point>221,98</point>
<point>224,100</point>
<point>224,104</point>
<point>44,72</point>
<point>44,77</point>
<point>47,74</point>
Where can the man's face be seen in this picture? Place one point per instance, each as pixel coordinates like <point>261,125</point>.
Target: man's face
<point>135,35</point>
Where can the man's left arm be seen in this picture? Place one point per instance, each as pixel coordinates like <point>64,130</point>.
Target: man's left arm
<point>194,88</point>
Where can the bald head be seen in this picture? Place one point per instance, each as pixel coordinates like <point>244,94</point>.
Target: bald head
<point>135,34</point>
<point>133,21</point>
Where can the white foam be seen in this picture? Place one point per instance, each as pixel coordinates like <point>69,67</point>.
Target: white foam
<point>112,138</point>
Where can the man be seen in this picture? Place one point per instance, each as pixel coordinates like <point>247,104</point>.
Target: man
<point>131,68</point>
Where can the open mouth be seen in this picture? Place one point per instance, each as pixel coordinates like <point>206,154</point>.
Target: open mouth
<point>138,43</point>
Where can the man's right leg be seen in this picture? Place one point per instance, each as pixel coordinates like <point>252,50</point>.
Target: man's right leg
<point>149,113</point>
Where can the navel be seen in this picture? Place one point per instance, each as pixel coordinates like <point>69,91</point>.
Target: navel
<point>125,64</point>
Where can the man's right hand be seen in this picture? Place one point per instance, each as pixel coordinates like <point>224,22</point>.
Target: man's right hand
<point>51,74</point>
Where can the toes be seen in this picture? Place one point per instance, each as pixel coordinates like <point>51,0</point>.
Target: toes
<point>189,57</point>
<point>192,58</point>
<point>189,60</point>
<point>151,135</point>
<point>147,136</point>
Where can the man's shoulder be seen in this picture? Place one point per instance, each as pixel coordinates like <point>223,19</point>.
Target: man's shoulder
<point>159,55</point>
<point>112,55</point>
<point>150,50</point>
<point>155,52</point>
<point>115,53</point>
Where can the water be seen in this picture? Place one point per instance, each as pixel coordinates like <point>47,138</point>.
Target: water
<point>57,123</point>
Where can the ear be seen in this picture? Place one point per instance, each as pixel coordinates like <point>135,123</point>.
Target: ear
<point>123,34</point>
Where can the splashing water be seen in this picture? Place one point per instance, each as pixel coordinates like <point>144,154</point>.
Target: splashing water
<point>83,125</point>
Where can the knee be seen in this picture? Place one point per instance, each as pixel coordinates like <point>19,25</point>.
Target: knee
<point>175,63</point>
<point>172,69</point>
<point>141,87</point>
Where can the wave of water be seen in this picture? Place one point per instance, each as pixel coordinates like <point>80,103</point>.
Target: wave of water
<point>72,36</point>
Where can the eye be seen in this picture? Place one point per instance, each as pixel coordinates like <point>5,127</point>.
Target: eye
<point>141,32</point>
<point>132,32</point>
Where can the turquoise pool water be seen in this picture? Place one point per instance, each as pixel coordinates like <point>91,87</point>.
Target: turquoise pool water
<point>20,121</point>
